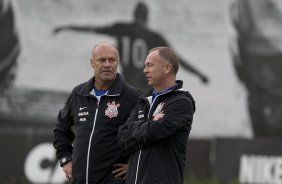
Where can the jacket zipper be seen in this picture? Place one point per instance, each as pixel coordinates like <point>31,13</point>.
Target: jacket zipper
<point>91,135</point>
<point>136,175</point>
<point>90,140</point>
<point>140,151</point>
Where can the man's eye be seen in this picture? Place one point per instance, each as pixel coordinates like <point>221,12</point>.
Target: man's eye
<point>101,60</point>
<point>104,60</point>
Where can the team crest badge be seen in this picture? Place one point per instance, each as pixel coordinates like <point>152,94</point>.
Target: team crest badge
<point>159,108</point>
<point>112,110</point>
<point>158,113</point>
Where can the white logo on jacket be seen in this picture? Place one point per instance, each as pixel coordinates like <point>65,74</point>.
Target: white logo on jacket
<point>158,113</point>
<point>84,114</point>
<point>112,110</point>
<point>81,108</point>
<point>140,114</point>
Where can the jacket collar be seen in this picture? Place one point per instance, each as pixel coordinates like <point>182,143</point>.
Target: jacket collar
<point>178,86</point>
<point>115,89</point>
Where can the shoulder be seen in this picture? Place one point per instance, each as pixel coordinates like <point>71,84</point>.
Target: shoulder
<point>183,95</point>
<point>78,87</point>
<point>83,88</point>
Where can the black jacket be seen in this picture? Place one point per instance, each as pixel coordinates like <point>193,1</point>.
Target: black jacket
<point>92,127</point>
<point>159,146</point>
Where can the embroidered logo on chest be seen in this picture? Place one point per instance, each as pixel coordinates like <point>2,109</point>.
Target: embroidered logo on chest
<point>158,113</point>
<point>158,109</point>
<point>112,110</point>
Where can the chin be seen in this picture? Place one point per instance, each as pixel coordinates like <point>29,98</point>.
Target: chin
<point>108,78</point>
<point>150,84</point>
<point>107,75</point>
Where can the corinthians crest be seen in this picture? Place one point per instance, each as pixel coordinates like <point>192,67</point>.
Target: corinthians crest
<point>159,108</point>
<point>112,110</point>
<point>158,113</point>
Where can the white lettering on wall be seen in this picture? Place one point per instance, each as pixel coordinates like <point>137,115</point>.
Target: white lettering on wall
<point>39,166</point>
<point>257,169</point>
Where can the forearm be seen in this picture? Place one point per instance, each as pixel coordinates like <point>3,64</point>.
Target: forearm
<point>126,141</point>
<point>63,141</point>
<point>178,115</point>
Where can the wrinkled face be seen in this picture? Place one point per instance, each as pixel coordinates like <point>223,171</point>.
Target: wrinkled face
<point>155,69</point>
<point>104,62</point>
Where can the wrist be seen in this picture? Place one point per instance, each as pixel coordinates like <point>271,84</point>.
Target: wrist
<point>65,160</point>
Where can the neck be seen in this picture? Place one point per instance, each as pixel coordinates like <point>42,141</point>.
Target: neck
<point>165,85</point>
<point>103,85</point>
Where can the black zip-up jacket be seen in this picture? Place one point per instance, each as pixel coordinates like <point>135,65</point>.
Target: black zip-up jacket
<point>91,127</point>
<point>157,132</point>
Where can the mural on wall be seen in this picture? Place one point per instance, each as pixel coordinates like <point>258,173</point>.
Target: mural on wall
<point>258,61</point>
<point>134,40</point>
<point>45,49</point>
<point>9,46</point>
<point>54,59</point>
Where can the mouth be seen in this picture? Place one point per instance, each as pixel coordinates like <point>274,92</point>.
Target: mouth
<point>107,72</point>
<point>148,78</point>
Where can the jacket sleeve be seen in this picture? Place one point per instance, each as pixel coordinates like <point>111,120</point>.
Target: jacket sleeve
<point>63,134</point>
<point>124,139</point>
<point>176,115</point>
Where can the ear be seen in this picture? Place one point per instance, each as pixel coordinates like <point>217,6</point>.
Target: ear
<point>92,63</point>
<point>168,68</point>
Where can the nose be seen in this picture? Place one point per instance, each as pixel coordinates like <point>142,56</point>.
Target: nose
<point>107,62</point>
<point>145,70</point>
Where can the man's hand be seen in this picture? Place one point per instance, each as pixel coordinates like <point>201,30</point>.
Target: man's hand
<point>120,171</point>
<point>68,170</point>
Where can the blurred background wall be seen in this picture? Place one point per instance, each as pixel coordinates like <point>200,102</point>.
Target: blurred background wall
<point>230,49</point>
